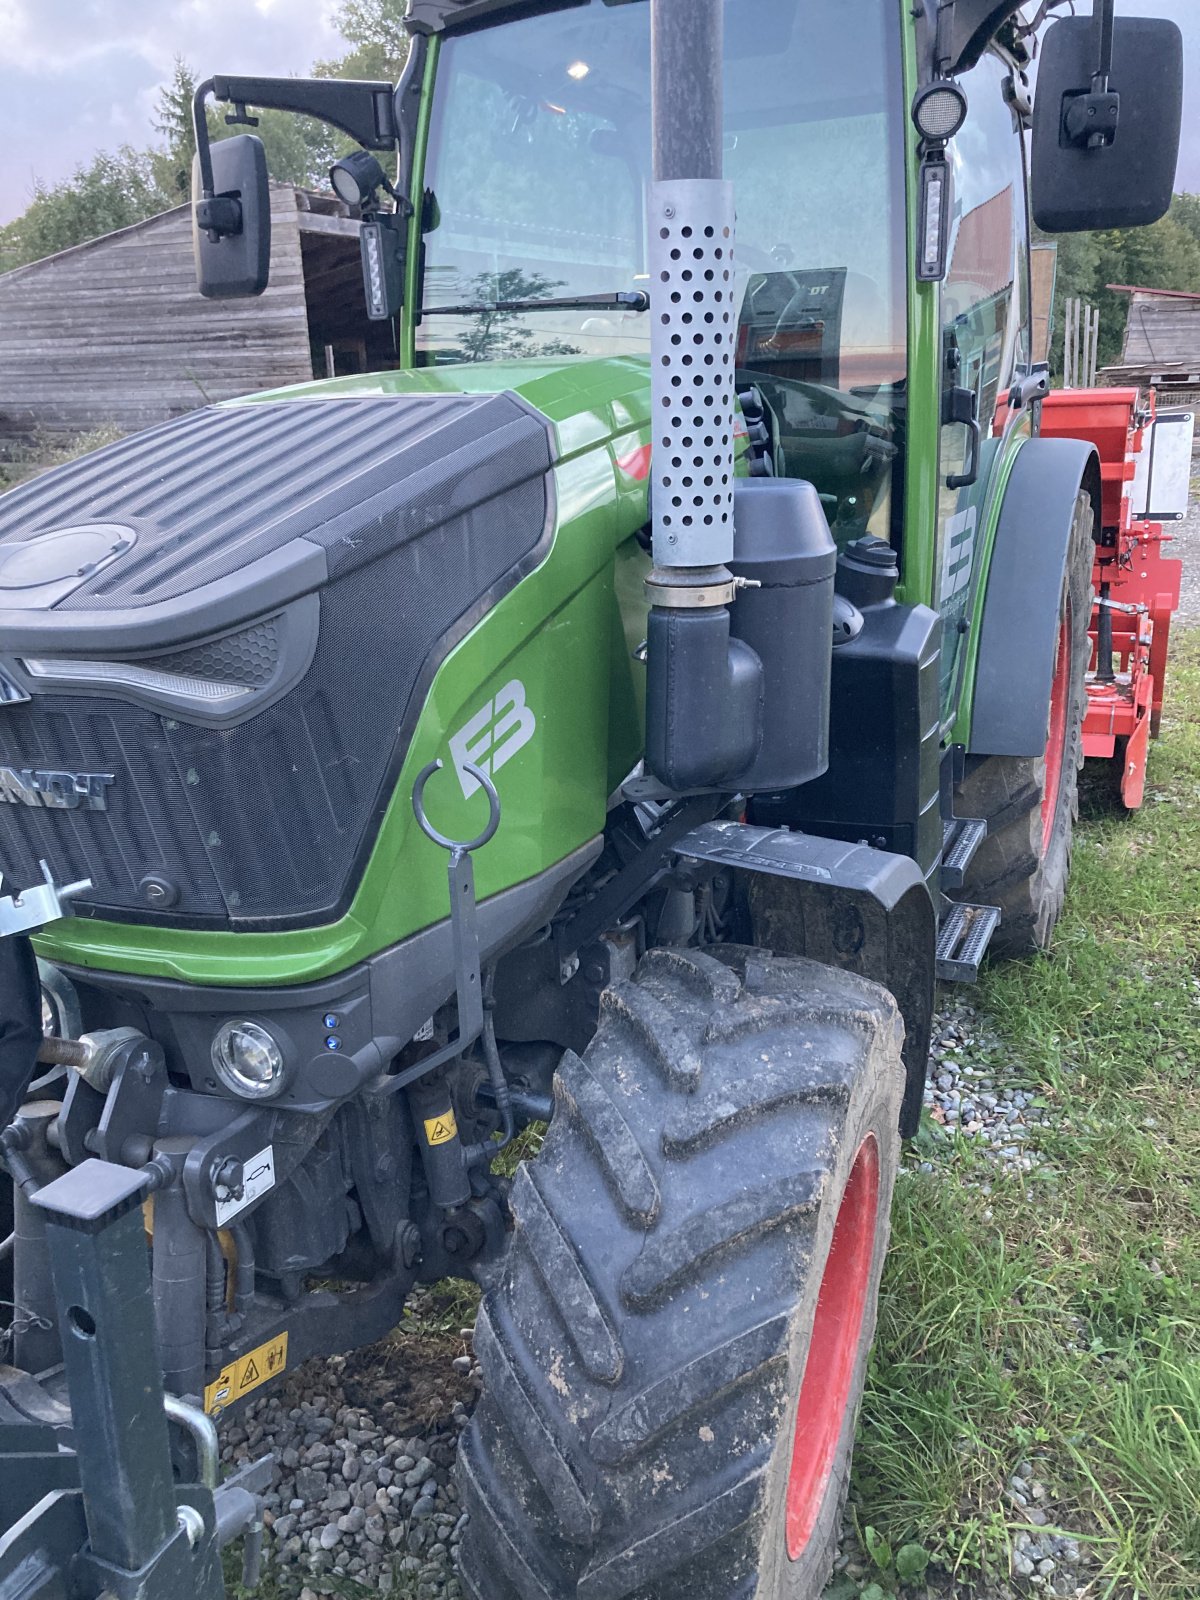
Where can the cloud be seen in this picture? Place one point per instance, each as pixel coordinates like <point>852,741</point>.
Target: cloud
<point>78,76</point>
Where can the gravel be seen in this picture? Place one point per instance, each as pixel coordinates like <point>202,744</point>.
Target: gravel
<point>976,1091</point>
<point>364,1444</point>
<point>362,1492</point>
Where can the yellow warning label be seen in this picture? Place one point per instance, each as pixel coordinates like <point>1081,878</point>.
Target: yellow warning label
<point>440,1130</point>
<point>246,1373</point>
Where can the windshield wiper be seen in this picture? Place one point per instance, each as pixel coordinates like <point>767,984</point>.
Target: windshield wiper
<point>624,299</point>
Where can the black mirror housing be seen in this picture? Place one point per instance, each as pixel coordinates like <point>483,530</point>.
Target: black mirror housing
<point>231,231</point>
<point>1077,184</point>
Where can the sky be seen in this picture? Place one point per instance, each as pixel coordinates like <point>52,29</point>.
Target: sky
<point>79,76</point>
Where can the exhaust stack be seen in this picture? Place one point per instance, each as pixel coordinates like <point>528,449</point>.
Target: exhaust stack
<point>704,688</point>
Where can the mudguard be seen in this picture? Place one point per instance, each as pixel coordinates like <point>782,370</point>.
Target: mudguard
<point>848,905</point>
<point>1019,629</point>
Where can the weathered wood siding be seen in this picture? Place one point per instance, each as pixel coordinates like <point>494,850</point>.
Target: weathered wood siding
<point>1163,330</point>
<point>113,331</point>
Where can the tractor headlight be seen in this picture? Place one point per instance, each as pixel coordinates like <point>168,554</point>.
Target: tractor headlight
<point>939,110</point>
<point>248,1060</point>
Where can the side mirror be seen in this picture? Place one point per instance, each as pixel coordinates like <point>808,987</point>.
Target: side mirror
<point>1104,155</point>
<point>231,229</point>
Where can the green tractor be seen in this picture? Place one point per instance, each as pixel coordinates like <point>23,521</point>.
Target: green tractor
<point>614,715</point>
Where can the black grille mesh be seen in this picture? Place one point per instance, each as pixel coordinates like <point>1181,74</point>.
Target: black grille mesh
<point>147,826</point>
<point>271,820</point>
<point>248,657</point>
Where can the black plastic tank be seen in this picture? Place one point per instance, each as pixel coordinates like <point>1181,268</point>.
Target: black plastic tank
<point>783,546</point>
<point>881,784</point>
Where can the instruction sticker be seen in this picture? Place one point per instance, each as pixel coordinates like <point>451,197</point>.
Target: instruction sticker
<point>440,1130</point>
<point>258,1175</point>
<point>246,1373</point>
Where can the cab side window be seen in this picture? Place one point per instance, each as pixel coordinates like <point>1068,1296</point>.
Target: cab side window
<point>985,333</point>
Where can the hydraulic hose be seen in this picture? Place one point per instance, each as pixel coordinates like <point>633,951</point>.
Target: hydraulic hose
<point>20,1023</point>
<point>490,1149</point>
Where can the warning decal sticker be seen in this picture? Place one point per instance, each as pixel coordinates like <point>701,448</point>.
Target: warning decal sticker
<point>440,1130</point>
<point>246,1373</point>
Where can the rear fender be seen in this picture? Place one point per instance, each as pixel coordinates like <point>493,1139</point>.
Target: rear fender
<point>1019,627</point>
<point>867,911</point>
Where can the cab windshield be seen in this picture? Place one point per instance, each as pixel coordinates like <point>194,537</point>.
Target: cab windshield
<point>538,163</point>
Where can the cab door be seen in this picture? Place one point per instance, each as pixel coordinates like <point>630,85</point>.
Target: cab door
<point>985,342</point>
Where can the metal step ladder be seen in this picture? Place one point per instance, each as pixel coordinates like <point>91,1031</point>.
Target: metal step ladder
<point>963,938</point>
<point>961,837</point>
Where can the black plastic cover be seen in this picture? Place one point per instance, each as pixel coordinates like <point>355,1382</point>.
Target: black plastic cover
<point>882,785</point>
<point>433,16</point>
<point>782,544</point>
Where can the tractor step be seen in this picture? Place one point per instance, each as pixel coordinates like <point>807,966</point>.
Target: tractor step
<point>961,837</point>
<point>963,939</point>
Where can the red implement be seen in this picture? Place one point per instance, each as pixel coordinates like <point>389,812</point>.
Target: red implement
<point>1137,587</point>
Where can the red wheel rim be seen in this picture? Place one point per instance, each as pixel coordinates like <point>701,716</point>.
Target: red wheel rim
<point>833,1349</point>
<point>1056,743</point>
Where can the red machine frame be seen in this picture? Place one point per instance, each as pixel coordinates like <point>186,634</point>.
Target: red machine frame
<point>1136,585</point>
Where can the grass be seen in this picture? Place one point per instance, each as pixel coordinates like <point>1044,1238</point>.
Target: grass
<point>1056,1318</point>
<point>41,451</point>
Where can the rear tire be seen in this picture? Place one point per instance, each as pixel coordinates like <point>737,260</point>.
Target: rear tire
<point>703,1231</point>
<point>1031,803</point>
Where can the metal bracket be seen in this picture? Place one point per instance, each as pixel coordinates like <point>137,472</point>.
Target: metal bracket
<point>45,902</point>
<point>464,925</point>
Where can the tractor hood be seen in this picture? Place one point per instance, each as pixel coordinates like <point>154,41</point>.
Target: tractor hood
<point>215,638</point>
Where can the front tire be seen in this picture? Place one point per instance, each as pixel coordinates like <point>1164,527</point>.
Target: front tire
<point>675,1351</point>
<point>1031,803</point>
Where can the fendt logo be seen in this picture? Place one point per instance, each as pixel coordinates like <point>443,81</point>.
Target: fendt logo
<point>55,791</point>
<point>493,735</point>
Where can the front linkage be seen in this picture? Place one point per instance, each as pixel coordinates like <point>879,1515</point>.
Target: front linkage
<point>101,1513</point>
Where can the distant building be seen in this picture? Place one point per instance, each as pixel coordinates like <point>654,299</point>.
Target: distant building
<point>1162,345</point>
<point>114,332</point>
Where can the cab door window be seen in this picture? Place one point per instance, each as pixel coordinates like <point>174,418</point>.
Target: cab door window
<point>985,335</point>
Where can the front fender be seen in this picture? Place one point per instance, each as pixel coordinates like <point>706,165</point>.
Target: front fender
<point>847,905</point>
<point>1019,627</point>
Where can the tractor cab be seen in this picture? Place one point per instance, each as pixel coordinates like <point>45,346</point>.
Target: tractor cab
<point>536,178</point>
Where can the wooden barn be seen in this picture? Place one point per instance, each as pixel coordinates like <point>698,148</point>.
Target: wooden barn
<point>113,332</point>
<point>1162,345</point>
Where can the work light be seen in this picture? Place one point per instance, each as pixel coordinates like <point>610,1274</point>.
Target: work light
<point>939,110</point>
<point>248,1060</point>
<point>356,177</point>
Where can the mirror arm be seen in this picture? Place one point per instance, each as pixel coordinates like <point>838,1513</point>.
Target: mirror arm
<point>219,215</point>
<point>1103,17</point>
<point>1090,120</point>
<point>200,129</point>
<point>363,109</point>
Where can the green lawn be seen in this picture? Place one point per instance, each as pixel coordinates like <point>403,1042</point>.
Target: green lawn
<point>1056,1319</point>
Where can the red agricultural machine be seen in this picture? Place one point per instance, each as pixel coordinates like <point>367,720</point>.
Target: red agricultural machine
<point>1145,465</point>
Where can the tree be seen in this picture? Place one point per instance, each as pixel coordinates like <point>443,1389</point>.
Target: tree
<point>112,191</point>
<point>375,31</point>
<point>498,335</point>
<point>1163,256</point>
<point>173,119</point>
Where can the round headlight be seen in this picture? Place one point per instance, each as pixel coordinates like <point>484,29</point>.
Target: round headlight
<point>939,111</point>
<point>247,1060</point>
